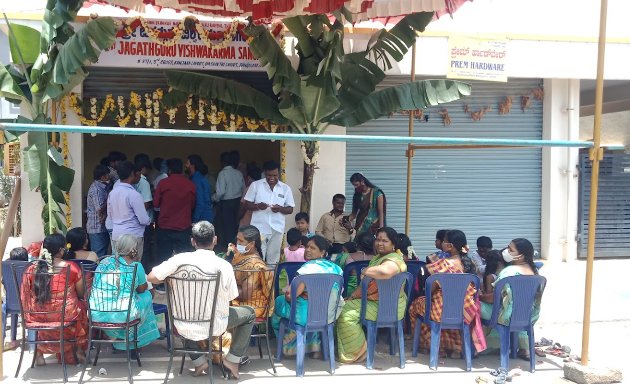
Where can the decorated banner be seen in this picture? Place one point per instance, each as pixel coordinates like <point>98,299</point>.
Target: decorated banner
<point>184,44</point>
<point>477,59</point>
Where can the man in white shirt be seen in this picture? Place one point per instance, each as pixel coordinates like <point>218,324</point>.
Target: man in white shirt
<point>230,186</point>
<point>143,164</point>
<point>238,319</point>
<point>270,200</point>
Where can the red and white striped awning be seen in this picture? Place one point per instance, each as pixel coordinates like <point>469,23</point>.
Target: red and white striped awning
<point>273,9</point>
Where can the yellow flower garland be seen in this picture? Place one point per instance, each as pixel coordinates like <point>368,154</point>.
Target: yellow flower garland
<point>148,109</point>
<point>65,152</point>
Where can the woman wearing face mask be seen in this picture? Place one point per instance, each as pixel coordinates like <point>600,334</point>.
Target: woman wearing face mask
<point>315,253</point>
<point>519,260</point>
<point>368,205</point>
<point>253,288</point>
<point>458,262</point>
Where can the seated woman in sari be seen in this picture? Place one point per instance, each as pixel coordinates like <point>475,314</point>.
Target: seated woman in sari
<point>316,249</point>
<point>458,262</point>
<point>368,205</point>
<point>41,293</point>
<point>351,343</point>
<point>107,296</point>
<point>253,288</point>
<point>519,259</point>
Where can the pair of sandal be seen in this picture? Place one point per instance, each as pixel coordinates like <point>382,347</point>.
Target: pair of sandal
<point>559,350</point>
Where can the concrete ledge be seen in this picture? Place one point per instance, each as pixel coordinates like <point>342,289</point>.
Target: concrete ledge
<point>591,375</point>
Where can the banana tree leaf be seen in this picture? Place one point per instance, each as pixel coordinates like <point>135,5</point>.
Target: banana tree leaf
<point>9,88</point>
<point>24,42</point>
<point>363,71</point>
<point>54,154</point>
<point>238,97</point>
<point>265,48</point>
<point>306,30</point>
<point>410,96</point>
<point>52,20</point>
<point>61,176</point>
<point>319,103</point>
<point>35,159</point>
<point>83,47</point>
<point>56,193</point>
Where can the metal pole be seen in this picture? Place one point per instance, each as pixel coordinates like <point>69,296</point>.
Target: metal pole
<point>161,132</point>
<point>410,151</point>
<point>596,154</point>
<point>4,237</point>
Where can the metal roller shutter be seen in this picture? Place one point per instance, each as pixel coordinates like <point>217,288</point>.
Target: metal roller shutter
<point>612,238</point>
<point>484,192</point>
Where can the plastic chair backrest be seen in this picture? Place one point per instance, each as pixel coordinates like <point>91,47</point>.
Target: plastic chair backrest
<point>416,268</point>
<point>539,264</point>
<point>319,287</point>
<point>252,280</point>
<point>524,290</point>
<point>351,269</point>
<point>192,295</point>
<point>112,294</point>
<point>53,311</point>
<point>388,293</point>
<point>11,287</point>
<point>454,288</point>
<point>291,268</point>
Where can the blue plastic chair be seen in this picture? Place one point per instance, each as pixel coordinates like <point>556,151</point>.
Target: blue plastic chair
<point>417,269</point>
<point>539,264</point>
<point>454,287</point>
<point>319,287</point>
<point>163,309</point>
<point>86,265</point>
<point>13,293</point>
<point>352,269</point>
<point>291,268</point>
<point>524,290</point>
<point>387,315</point>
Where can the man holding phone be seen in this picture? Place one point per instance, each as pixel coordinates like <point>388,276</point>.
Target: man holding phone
<point>334,225</point>
<point>270,200</point>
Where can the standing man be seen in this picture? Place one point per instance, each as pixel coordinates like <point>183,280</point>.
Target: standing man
<point>203,204</point>
<point>115,158</point>
<point>334,225</point>
<point>175,197</point>
<point>126,208</point>
<point>144,188</point>
<point>230,186</point>
<point>97,211</point>
<point>238,319</point>
<point>270,200</point>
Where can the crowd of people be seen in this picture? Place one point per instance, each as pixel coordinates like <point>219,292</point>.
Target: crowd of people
<point>182,211</point>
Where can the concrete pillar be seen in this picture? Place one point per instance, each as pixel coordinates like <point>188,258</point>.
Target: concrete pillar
<point>559,184</point>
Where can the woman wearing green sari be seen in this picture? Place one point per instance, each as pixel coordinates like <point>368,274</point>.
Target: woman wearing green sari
<point>351,343</point>
<point>368,205</point>
<point>125,257</point>
<point>519,259</point>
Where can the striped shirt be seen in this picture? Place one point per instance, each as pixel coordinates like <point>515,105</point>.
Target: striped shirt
<point>96,201</point>
<point>208,262</point>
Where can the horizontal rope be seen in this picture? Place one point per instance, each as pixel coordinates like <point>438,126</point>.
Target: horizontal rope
<point>291,136</point>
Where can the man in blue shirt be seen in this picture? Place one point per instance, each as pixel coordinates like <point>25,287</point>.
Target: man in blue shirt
<point>97,211</point>
<point>203,204</point>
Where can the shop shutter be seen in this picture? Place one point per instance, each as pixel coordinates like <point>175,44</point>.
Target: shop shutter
<point>121,81</point>
<point>612,237</point>
<point>484,192</point>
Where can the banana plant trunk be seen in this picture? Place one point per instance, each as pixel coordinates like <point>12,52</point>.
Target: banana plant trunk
<point>310,153</point>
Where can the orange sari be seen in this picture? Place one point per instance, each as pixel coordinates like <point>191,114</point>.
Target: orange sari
<point>450,339</point>
<point>257,285</point>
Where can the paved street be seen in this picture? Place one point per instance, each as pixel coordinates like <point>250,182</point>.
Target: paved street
<point>560,320</point>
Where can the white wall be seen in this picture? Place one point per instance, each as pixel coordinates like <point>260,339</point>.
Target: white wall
<point>559,185</point>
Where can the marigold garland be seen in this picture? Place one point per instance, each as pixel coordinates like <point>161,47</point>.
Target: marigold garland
<point>65,153</point>
<point>194,26</point>
<point>148,109</point>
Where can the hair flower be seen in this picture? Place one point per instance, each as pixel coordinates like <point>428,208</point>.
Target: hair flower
<point>465,248</point>
<point>46,256</point>
<point>68,245</point>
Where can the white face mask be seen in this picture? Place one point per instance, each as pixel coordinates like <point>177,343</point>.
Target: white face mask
<point>507,256</point>
<point>241,248</point>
